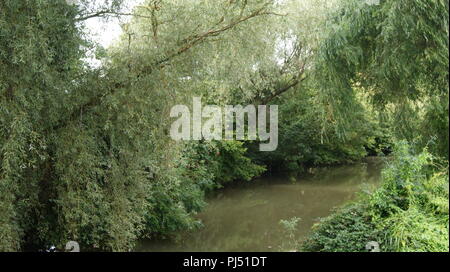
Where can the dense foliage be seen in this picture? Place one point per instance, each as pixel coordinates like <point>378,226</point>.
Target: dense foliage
<point>85,152</point>
<point>408,213</point>
<point>306,140</point>
<point>396,53</point>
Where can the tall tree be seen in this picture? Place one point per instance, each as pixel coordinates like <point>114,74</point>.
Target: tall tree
<point>84,155</point>
<point>397,52</point>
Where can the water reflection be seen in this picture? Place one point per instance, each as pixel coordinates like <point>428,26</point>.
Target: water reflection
<point>246,218</point>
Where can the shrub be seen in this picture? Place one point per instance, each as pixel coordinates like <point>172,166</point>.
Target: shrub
<point>409,212</point>
<point>347,230</point>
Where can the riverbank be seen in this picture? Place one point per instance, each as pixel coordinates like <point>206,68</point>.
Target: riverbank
<point>408,213</point>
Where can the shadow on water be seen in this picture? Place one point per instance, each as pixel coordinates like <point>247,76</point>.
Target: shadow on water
<point>246,218</point>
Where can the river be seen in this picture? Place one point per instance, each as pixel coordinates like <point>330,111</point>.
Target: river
<point>247,217</point>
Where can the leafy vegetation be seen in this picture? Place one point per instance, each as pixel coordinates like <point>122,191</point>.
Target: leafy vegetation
<point>408,213</point>
<point>85,152</point>
<point>397,54</point>
<point>305,140</point>
<point>289,228</point>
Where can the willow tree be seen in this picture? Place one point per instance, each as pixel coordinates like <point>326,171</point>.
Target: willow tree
<point>396,51</point>
<point>256,61</point>
<point>85,155</point>
<point>39,55</point>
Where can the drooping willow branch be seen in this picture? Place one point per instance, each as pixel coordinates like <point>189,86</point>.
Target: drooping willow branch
<point>189,42</point>
<point>104,13</point>
<point>266,95</point>
<point>196,39</point>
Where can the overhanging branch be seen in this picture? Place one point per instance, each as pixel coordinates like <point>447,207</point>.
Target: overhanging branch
<point>190,42</point>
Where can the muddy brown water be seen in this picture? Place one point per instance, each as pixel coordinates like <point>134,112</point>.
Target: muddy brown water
<point>247,217</point>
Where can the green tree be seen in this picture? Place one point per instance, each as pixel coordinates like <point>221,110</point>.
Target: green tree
<point>397,53</point>
<point>85,154</point>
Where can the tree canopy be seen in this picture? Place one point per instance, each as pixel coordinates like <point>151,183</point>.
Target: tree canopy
<point>85,153</point>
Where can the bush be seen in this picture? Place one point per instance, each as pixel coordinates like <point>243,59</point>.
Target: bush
<point>409,212</point>
<point>220,162</point>
<point>348,230</point>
